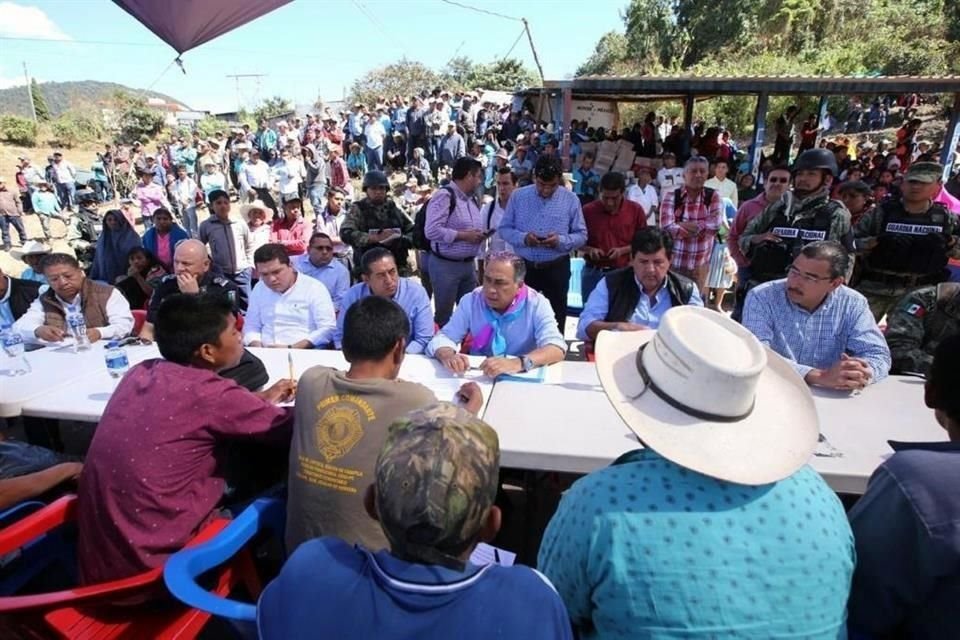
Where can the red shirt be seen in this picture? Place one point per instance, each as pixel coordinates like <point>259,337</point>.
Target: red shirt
<point>606,231</point>
<point>292,235</point>
<point>151,478</point>
<point>747,212</point>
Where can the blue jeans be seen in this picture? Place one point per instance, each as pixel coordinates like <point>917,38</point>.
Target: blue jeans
<point>242,280</point>
<point>189,215</point>
<point>374,158</point>
<point>147,222</point>
<point>67,194</point>
<point>451,280</point>
<point>17,223</point>
<point>317,192</point>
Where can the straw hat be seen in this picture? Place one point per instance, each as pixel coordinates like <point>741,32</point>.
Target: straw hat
<point>245,209</point>
<point>704,393</point>
<point>32,248</point>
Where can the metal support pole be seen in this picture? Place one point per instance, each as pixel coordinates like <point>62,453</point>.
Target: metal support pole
<point>759,129</point>
<point>951,138</point>
<point>566,111</point>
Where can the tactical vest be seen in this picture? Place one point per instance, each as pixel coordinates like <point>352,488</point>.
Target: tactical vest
<point>771,260</point>
<point>909,244</point>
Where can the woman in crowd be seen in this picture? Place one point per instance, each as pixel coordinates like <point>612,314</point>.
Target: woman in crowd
<point>143,274</point>
<point>113,247</point>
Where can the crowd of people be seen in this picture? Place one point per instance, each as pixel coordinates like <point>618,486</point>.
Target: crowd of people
<point>389,491</point>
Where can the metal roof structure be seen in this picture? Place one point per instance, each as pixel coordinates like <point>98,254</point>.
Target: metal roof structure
<point>646,88</point>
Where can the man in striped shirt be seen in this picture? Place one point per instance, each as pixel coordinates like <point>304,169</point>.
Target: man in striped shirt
<point>692,214</point>
<point>544,223</point>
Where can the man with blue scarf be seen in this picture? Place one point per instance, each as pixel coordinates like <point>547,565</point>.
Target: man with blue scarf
<point>510,323</point>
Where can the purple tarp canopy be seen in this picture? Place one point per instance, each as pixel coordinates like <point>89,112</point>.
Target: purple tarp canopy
<point>185,24</point>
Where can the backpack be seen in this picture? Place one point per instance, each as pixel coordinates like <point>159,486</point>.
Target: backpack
<point>679,202</point>
<point>420,222</point>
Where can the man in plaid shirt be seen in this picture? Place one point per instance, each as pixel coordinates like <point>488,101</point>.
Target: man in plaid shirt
<point>694,227</point>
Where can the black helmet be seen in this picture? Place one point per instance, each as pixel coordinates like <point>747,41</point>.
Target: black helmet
<point>817,159</point>
<point>375,179</point>
<point>86,195</point>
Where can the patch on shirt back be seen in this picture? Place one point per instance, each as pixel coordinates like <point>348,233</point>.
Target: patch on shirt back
<point>916,310</point>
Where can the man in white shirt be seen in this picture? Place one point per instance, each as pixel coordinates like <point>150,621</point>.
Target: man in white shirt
<point>720,183</point>
<point>492,212</point>
<point>287,309</point>
<point>256,180</point>
<point>105,310</point>
<point>289,173</point>
<point>670,176</point>
<point>66,176</point>
<point>643,193</point>
<point>374,133</point>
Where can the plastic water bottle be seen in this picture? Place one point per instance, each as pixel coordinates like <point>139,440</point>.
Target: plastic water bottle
<point>13,348</point>
<point>116,358</point>
<point>78,328</point>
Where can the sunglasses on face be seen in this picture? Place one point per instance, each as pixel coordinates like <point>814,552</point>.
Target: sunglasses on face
<point>778,180</point>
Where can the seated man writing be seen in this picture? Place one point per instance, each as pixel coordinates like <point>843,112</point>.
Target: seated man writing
<point>378,269</point>
<point>341,424</point>
<point>154,472</point>
<point>105,310</point>
<point>636,297</point>
<point>287,308</point>
<point>432,495</point>
<point>817,323</point>
<point>193,275</point>
<point>511,324</point>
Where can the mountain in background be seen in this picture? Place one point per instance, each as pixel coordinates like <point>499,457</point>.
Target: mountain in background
<point>63,96</point>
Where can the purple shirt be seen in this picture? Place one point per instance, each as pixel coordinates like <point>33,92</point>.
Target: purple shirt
<point>150,479</point>
<point>441,225</point>
<point>151,198</point>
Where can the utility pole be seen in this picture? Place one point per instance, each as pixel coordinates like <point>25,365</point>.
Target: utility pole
<point>237,77</point>
<point>536,58</point>
<point>33,110</point>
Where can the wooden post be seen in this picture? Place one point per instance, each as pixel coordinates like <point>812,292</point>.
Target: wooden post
<point>759,129</point>
<point>688,113</point>
<point>566,112</point>
<point>951,138</point>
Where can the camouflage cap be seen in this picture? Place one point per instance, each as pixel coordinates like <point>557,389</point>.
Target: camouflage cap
<point>436,478</point>
<point>924,172</point>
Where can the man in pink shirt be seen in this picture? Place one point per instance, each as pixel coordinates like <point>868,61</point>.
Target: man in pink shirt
<point>775,185</point>
<point>948,200</point>
<point>154,473</point>
<point>150,195</point>
<point>289,230</point>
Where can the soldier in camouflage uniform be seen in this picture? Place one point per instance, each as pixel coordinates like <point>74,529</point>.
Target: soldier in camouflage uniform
<point>919,322</point>
<point>84,227</point>
<point>806,214</point>
<point>378,212</point>
<point>436,481</point>
<point>905,243</point>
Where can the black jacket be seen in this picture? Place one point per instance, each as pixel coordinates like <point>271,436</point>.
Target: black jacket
<point>22,294</point>
<point>625,294</point>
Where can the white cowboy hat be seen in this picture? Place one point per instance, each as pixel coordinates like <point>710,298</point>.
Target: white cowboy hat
<point>245,209</point>
<point>32,248</point>
<point>704,393</point>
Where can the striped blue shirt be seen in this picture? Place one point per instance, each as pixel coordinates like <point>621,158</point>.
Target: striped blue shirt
<point>528,212</point>
<point>842,324</point>
<point>411,296</point>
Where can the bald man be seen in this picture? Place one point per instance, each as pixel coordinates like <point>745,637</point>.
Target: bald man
<point>191,274</point>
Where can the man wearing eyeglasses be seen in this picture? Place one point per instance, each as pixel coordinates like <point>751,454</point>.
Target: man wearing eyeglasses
<point>773,239</point>
<point>544,223</point>
<point>775,185</point>
<point>906,242</point>
<point>822,327</point>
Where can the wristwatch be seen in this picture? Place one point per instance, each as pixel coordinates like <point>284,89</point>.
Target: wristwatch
<point>526,364</point>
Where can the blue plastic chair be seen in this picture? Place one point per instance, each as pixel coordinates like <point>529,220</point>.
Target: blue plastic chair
<point>574,297</point>
<point>36,556</point>
<point>184,567</point>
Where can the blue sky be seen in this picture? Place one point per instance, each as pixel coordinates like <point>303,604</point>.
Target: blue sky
<point>306,48</point>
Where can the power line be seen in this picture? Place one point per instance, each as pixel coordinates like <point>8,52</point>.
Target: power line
<point>478,10</point>
<point>514,45</point>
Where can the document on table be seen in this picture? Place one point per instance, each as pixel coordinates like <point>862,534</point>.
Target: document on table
<point>825,449</point>
<point>485,554</point>
<point>445,384</point>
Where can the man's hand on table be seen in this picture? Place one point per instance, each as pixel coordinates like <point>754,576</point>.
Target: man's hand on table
<point>50,334</point>
<point>280,391</point>
<point>493,367</point>
<point>848,374</point>
<point>453,361</point>
<point>471,396</point>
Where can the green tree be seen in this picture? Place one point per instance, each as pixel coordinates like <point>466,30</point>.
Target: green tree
<point>136,120</point>
<point>457,73</point>
<point>609,56</point>
<point>403,78</point>
<point>210,126</point>
<point>76,127</point>
<point>39,103</point>
<point>654,39</point>
<point>507,74</point>
<point>272,107</point>
<point>19,131</point>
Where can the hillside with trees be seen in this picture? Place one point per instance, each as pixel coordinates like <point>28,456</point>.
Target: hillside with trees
<point>61,97</point>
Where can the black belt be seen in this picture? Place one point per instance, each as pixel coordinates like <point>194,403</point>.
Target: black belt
<point>536,266</point>
<point>593,266</point>
<point>470,259</point>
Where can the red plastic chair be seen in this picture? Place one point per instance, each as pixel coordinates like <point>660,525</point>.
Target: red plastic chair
<point>239,322</point>
<point>139,317</point>
<point>136,607</point>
